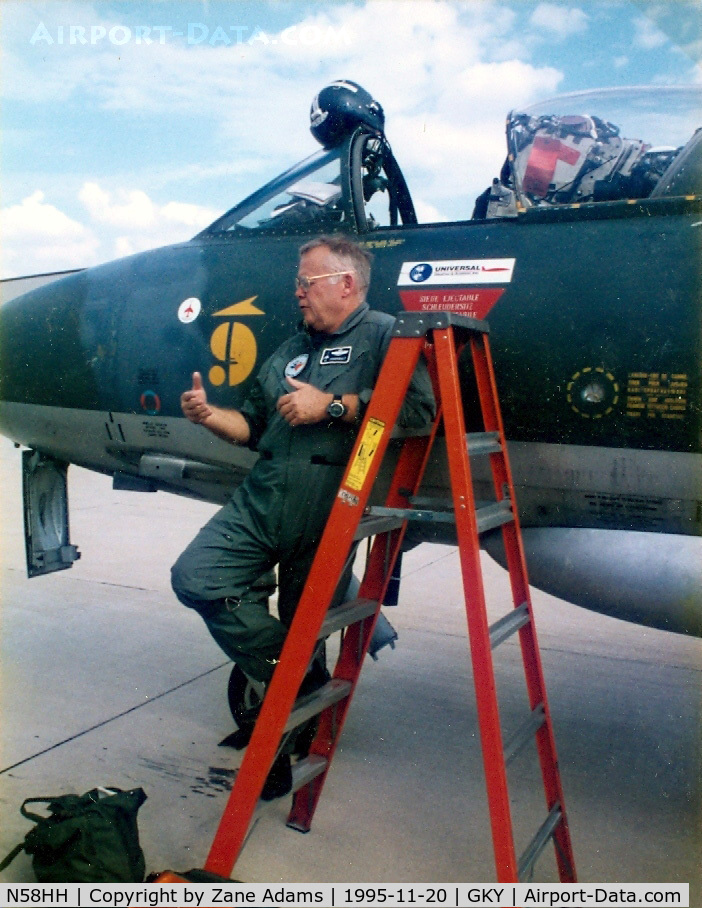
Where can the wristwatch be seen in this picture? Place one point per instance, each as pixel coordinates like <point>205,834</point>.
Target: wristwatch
<point>336,408</point>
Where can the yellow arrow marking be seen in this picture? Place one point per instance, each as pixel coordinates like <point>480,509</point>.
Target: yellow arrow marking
<point>245,307</point>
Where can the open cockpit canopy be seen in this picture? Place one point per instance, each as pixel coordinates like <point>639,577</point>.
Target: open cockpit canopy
<point>628,143</point>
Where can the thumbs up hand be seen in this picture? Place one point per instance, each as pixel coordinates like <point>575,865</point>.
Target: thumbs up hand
<point>194,402</point>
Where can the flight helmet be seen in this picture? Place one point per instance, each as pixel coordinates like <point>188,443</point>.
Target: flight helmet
<point>339,108</point>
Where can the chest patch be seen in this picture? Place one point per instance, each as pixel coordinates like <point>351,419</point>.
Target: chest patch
<point>295,366</point>
<point>335,356</point>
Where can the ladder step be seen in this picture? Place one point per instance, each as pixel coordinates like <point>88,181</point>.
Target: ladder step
<point>305,770</point>
<point>302,773</point>
<point>372,524</point>
<point>488,517</point>
<point>539,842</point>
<point>313,704</point>
<point>508,625</point>
<point>525,732</point>
<point>494,515</point>
<point>480,443</point>
<point>402,514</point>
<point>347,613</point>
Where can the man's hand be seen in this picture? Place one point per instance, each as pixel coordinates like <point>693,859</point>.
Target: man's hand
<point>227,424</point>
<point>305,405</point>
<point>194,402</point>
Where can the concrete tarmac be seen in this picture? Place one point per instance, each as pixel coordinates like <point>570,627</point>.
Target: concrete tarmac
<point>107,680</point>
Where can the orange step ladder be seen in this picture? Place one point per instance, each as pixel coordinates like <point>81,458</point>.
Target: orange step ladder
<point>442,337</point>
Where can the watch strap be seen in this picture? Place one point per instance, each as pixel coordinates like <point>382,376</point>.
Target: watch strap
<point>337,409</point>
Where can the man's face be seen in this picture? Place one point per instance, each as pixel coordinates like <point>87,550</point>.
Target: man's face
<point>327,302</point>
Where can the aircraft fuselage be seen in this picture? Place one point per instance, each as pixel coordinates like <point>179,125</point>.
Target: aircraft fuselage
<point>596,333</point>
<point>596,340</point>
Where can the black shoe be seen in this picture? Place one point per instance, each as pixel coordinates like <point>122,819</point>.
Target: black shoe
<point>246,720</point>
<point>238,739</point>
<point>279,779</point>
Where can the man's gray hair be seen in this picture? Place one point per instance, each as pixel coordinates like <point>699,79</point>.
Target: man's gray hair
<point>349,255</point>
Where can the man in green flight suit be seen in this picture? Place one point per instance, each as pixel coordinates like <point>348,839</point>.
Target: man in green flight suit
<point>302,415</point>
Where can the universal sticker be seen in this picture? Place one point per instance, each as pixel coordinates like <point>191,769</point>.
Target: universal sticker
<point>465,286</point>
<point>462,272</point>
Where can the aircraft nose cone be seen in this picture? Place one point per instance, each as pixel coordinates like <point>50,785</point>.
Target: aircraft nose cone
<point>44,356</point>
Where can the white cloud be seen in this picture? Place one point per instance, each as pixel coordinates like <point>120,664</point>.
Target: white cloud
<point>38,237</point>
<point>191,216</point>
<point>173,222</point>
<point>134,210</point>
<point>142,223</point>
<point>439,63</point>
<point>647,36</point>
<point>34,214</point>
<point>558,20</point>
<point>196,172</point>
<point>427,213</point>
<point>442,71</point>
<point>129,245</point>
<point>45,60</point>
<point>407,54</point>
<point>454,152</point>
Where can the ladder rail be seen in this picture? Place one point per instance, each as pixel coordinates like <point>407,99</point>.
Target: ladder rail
<point>516,566</point>
<point>478,630</point>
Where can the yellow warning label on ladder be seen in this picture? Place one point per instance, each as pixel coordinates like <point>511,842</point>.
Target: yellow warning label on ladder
<point>365,454</point>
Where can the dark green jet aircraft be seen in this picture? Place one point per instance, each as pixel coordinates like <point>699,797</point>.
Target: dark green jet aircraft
<point>584,256</point>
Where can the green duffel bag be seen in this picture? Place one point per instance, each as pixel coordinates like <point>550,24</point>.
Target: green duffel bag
<point>90,838</point>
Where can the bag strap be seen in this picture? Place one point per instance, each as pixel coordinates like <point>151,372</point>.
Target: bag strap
<point>36,817</point>
<point>11,856</point>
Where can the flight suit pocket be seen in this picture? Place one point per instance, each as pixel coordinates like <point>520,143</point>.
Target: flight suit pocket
<point>346,368</point>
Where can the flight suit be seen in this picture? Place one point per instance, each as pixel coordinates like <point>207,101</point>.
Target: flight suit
<point>278,514</point>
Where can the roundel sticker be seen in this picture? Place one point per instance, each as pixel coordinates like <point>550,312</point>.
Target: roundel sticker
<point>151,402</point>
<point>295,366</point>
<point>421,272</point>
<point>189,310</point>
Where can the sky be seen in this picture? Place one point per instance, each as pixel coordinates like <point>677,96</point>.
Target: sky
<point>131,125</point>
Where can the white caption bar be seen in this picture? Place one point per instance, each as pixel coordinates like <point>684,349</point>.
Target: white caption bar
<point>345,895</point>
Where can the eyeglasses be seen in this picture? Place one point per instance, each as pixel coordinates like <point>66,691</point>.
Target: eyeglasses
<point>304,283</point>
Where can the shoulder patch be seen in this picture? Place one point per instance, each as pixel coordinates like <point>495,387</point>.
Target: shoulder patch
<point>334,356</point>
<point>296,365</point>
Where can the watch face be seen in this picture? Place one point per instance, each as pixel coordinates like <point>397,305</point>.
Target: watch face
<point>336,409</point>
